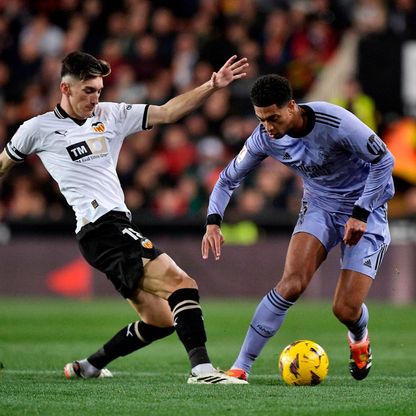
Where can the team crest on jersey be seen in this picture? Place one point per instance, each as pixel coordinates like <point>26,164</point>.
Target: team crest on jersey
<point>98,127</point>
<point>146,243</point>
<point>88,149</point>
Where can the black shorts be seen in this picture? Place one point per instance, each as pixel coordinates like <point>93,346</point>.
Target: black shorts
<point>115,246</point>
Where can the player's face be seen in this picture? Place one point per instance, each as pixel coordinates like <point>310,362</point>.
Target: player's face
<point>84,96</point>
<point>276,120</point>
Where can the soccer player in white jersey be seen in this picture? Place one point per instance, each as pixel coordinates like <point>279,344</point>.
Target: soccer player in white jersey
<point>346,170</point>
<point>79,144</point>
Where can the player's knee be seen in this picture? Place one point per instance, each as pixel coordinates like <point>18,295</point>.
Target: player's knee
<point>188,282</point>
<point>181,280</point>
<point>290,288</point>
<point>345,312</point>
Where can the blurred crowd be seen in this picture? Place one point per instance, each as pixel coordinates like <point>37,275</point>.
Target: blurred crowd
<point>158,49</point>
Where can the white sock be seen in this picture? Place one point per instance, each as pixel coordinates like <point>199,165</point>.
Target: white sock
<point>200,369</point>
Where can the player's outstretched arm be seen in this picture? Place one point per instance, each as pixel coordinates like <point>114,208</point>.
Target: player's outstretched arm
<point>5,163</point>
<point>212,240</point>
<point>183,104</point>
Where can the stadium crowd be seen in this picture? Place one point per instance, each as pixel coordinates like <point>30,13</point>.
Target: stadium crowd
<point>161,48</point>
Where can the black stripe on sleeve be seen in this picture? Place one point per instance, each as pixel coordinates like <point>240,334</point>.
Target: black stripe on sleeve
<point>327,116</point>
<point>145,125</point>
<point>327,119</point>
<point>14,154</point>
<point>335,125</point>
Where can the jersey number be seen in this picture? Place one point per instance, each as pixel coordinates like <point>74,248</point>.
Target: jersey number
<point>135,235</point>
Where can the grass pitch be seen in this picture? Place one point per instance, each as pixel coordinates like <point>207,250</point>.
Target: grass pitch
<point>37,337</point>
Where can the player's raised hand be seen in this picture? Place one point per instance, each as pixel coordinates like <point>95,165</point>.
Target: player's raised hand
<point>212,240</point>
<point>229,72</point>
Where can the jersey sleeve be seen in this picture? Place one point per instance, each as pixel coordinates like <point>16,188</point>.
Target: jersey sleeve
<point>250,156</point>
<point>132,118</point>
<point>362,142</point>
<point>24,142</point>
<point>379,187</point>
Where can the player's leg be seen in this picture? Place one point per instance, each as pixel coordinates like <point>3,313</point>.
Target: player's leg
<point>358,270</point>
<point>164,278</point>
<point>305,254</point>
<point>156,323</point>
<point>116,247</point>
<point>161,279</point>
<point>349,307</point>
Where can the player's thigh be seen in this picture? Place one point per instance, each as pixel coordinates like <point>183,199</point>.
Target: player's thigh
<point>152,309</point>
<point>304,255</point>
<point>350,293</point>
<point>162,276</point>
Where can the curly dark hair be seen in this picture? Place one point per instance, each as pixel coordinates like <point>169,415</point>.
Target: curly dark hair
<point>271,89</point>
<point>84,66</point>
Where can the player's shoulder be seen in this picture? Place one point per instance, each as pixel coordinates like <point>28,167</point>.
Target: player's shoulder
<point>115,110</point>
<point>330,115</point>
<point>326,108</point>
<point>106,108</point>
<point>258,141</point>
<point>38,122</point>
<point>258,135</point>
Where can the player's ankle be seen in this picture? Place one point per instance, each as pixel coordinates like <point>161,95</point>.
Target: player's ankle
<point>88,370</point>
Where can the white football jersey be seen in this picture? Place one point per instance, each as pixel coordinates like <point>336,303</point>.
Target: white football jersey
<point>82,158</point>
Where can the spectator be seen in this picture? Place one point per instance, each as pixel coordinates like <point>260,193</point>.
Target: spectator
<point>362,105</point>
<point>400,136</point>
<point>155,47</point>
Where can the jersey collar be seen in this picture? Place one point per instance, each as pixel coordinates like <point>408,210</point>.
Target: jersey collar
<point>310,121</point>
<point>61,113</point>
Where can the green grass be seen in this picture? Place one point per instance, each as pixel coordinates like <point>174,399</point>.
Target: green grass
<point>38,336</point>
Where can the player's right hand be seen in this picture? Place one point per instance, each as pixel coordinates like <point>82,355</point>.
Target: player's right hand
<point>212,240</point>
<point>354,230</point>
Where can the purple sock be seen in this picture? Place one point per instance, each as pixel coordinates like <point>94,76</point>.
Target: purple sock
<point>358,330</point>
<point>267,319</point>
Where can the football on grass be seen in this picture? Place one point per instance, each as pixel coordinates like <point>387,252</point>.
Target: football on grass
<point>303,363</point>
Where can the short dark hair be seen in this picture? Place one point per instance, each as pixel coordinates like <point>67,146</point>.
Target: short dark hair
<point>84,66</point>
<point>271,89</point>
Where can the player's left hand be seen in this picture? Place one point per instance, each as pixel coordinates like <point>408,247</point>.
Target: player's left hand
<point>354,230</point>
<point>229,72</point>
<point>212,240</point>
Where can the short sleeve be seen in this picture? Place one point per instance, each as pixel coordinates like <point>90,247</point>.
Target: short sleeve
<point>24,142</point>
<point>132,117</point>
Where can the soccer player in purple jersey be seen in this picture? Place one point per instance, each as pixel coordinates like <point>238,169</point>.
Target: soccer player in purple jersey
<point>346,170</point>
